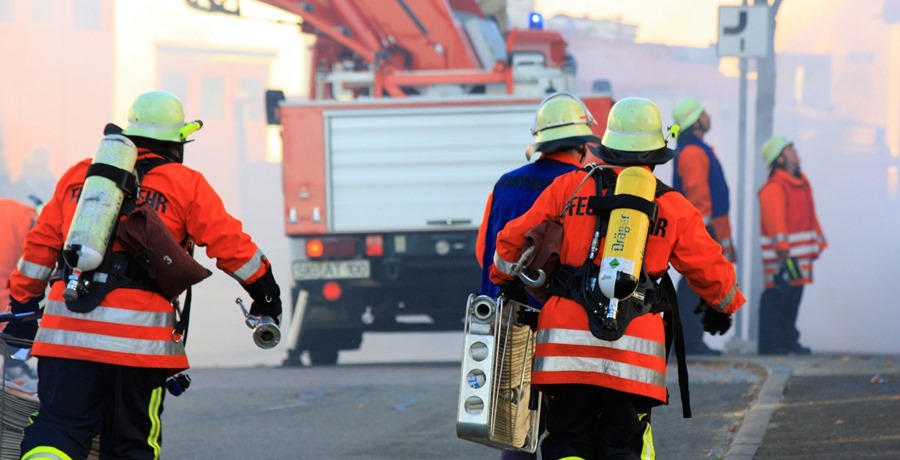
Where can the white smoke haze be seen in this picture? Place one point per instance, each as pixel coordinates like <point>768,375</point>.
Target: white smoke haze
<point>838,97</point>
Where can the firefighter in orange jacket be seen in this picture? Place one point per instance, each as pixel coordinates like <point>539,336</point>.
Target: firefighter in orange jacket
<point>698,175</point>
<point>791,240</point>
<point>103,372</point>
<point>17,220</point>
<point>601,391</point>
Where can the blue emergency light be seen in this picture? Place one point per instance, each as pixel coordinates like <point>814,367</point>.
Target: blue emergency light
<point>536,21</point>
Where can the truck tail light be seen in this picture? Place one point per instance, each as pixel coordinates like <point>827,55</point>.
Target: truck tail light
<point>314,248</point>
<point>340,247</point>
<point>374,245</point>
<point>331,291</point>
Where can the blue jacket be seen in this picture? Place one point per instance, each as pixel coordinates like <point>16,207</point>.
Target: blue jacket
<point>513,194</point>
<point>718,189</point>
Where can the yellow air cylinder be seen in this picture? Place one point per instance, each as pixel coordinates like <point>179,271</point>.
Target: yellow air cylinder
<point>626,239</point>
<point>97,210</point>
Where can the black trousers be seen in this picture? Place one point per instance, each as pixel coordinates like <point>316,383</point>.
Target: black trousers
<point>778,309</point>
<point>596,423</point>
<point>81,399</point>
<point>690,322</point>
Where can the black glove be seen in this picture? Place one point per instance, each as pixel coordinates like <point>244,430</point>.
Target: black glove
<point>528,317</point>
<point>22,329</point>
<point>714,321</point>
<point>514,290</point>
<point>266,297</point>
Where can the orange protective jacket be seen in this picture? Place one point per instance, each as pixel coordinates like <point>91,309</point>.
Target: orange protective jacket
<point>130,327</point>
<point>17,220</point>
<point>693,167</point>
<point>566,351</point>
<point>789,225</point>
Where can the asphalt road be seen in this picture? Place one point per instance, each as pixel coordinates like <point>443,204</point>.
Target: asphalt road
<point>401,411</point>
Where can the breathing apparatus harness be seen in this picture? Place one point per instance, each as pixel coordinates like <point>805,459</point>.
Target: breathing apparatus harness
<point>117,269</point>
<point>651,295</point>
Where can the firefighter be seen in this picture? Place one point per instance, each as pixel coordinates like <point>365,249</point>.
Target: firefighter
<point>103,372</point>
<point>17,220</point>
<point>561,130</point>
<point>601,391</point>
<point>699,177</point>
<point>791,240</point>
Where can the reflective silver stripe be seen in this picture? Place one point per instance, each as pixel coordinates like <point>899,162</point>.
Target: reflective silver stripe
<point>794,251</point>
<point>725,242</point>
<point>772,241</point>
<point>792,238</point>
<point>110,343</point>
<point>249,268</point>
<point>114,315</point>
<point>32,270</point>
<point>600,366</point>
<point>579,337</point>
<point>707,221</point>
<point>802,236</point>
<point>805,249</point>
<point>503,265</point>
<point>728,298</point>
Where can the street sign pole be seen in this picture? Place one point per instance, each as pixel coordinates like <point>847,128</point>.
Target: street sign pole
<point>743,33</point>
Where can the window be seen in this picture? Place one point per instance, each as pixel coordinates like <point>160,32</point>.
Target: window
<point>213,98</point>
<point>175,83</point>
<point>87,14</point>
<point>250,94</point>
<point>6,11</point>
<point>43,11</point>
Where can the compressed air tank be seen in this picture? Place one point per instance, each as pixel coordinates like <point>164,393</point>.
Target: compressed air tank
<point>626,237</point>
<point>97,210</point>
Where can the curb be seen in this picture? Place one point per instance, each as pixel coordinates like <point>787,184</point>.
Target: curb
<point>753,428</point>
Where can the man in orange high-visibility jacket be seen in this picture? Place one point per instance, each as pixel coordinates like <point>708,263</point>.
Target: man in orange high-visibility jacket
<point>103,372</point>
<point>17,220</point>
<point>698,175</point>
<point>791,240</point>
<point>601,391</point>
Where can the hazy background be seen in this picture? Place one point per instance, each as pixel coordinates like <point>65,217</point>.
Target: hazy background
<point>70,66</point>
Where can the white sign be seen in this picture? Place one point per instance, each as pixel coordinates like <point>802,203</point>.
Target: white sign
<point>743,31</point>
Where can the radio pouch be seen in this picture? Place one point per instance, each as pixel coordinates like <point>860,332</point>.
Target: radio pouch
<point>546,238</point>
<point>145,237</point>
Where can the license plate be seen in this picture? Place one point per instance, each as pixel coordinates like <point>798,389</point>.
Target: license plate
<point>327,270</point>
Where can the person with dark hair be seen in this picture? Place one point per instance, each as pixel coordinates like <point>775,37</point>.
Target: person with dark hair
<point>106,352</point>
<point>603,377</point>
<point>791,240</point>
<point>698,175</point>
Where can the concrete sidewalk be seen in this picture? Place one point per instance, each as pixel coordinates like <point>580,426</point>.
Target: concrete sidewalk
<point>821,406</point>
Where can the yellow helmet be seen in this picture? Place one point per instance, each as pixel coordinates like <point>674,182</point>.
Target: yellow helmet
<point>561,121</point>
<point>634,135</point>
<point>159,115</point>
<point>687,112</point>
<point>773,147</point>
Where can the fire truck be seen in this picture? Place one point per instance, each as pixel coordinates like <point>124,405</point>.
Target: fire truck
<point>415,109</point>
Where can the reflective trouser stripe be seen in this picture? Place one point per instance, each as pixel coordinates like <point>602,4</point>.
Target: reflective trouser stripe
<point>155,424</point>
<point>648,452</point>
<point>572,458</point>
<point>45,453</point>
